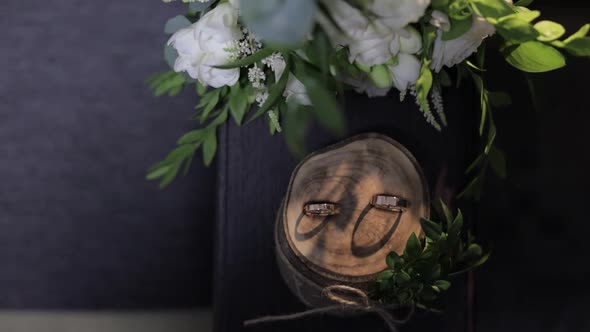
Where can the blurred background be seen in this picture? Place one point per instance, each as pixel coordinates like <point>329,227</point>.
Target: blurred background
<point>87,244</point>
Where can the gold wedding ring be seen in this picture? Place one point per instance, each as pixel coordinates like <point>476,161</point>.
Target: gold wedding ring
<point>389,202</point>
<point>320,209</point>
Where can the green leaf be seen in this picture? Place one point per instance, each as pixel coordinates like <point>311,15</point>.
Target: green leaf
<point>440,4</point>
<point>473,250</point>
<point>517,30</point>
<point>167,179</point>
<point>390,259</point>
<point>176,23</point>
<point>413,246</point>
<point>455,229</point>
<point>534,57</point>
<point>431,229</point>
<point>209,146</point>
<point>212,101</point>
<point>171,85</point>
<point>493,8</point>
<point>482,260</point>
<point>458,29</point>
<point>549,30</point>
<point>579,46</point>
<point>582,32</point>
<point>459,10</point>
<point>325,106</point>
<point>238,104</point>
<point>193,136</point>
<point>296,122</point>
<point>244,62</point>
<point>525,15</point>
<point>442,284</point>
<point>158,172</point>
<point>385,275</point>
<point>423,86</point>
<point>403,277</point>
<point>523,3</point>
<point>200,88</point>
<point>381,76</point>
<point>447,213</point>
<point>497,162</point>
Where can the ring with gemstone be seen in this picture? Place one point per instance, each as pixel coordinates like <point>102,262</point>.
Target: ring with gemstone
<point>320,209</point>
<point>389,202</point>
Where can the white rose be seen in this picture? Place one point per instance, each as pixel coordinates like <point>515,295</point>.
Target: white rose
<point>204,45</point>
<point>451,52</point>
<point>370,42</point>
<point>406,72</point>
<point>397,14</point>
<point>294,90</point>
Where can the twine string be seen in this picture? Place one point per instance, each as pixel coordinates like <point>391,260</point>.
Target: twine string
<point>348,299</point>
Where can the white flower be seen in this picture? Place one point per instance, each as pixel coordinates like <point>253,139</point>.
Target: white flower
<point>370,42</point>
<point>256,76</point>
<point>406,72</point>
<point>274,61</point>
<point>206,44</point>
<point>261,97</point>
<point>451,52</point>
<point>410,41</point>
<point>440,20</point>
<point>397,14</point>
<point>295,90</point>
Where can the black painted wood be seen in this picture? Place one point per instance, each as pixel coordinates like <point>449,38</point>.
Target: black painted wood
<point>254,170</point>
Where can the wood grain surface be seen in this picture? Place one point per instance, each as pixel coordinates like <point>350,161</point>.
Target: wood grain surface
<point>351,245</point>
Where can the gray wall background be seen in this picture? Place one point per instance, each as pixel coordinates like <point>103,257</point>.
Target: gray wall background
<point>80,227</point>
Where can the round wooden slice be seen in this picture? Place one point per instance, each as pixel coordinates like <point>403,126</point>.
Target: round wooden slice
<point>352,245</point>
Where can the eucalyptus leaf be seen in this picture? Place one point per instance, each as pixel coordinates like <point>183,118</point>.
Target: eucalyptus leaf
<point>170,55</point>
<point>197,6</point>
<point>176,23</point>
<point>279,22</point>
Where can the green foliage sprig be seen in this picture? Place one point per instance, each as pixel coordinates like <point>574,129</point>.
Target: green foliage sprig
<point>424,270</point>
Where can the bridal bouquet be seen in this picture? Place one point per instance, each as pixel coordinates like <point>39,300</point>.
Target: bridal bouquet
<point>288,61</point>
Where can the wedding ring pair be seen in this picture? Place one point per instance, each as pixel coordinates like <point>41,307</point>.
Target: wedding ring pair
<point>381,201</point>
